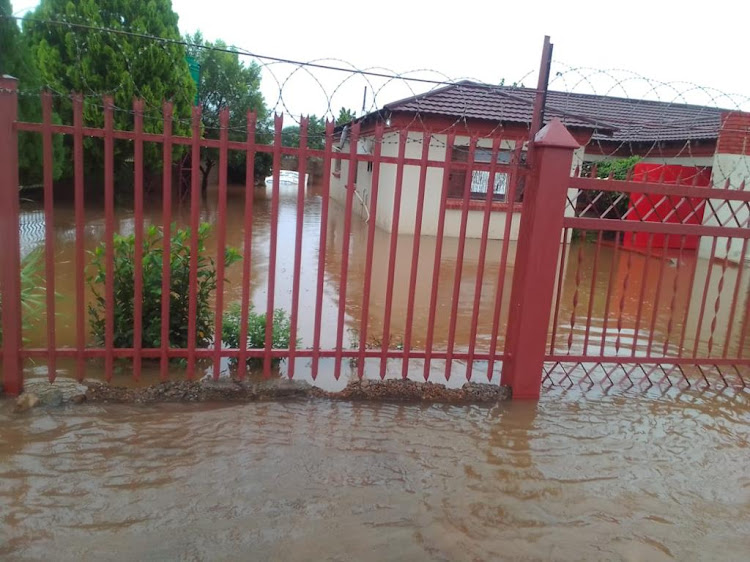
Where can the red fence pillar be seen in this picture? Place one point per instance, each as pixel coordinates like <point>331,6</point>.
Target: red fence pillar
<point>10,258</point>
<point>537,254</point>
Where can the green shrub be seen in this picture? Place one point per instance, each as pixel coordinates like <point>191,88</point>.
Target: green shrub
<point>256,332</point>
<point>32,290</point>
<point>179,259</point>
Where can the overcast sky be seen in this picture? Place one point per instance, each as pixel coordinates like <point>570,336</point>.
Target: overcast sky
<point>685,42</point>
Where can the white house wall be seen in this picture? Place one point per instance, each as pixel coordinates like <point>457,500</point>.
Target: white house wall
<point>736,169</point>
<point>433,188</point>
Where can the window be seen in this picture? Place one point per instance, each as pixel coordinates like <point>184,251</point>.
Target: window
<point>479,179</point>
<point>480,182</point>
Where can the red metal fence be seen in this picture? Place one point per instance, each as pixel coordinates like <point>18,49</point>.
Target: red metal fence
<point>527,286</point>
<point>671,314</point>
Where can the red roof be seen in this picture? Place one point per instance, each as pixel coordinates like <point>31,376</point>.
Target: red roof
<point>616,119</point>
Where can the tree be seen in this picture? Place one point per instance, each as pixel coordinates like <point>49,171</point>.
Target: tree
<point>225,82</point>
<point>96,62</point>
<point>16,60</point>
<point>345,116</point>
<point>316,134</point>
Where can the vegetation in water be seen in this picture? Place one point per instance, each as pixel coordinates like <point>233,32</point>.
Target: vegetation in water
<point>124,285</point>
<point>32,290</point>
<point>256,332</point>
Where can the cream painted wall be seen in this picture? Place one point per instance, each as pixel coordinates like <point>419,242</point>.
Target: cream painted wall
<point>736,169</point>
<point>433,189</point>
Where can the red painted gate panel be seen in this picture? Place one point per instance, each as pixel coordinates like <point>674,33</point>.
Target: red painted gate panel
<point>658,208</point>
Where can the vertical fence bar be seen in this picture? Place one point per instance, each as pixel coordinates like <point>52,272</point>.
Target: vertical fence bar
<point>221,237</point>
<point>642,294</point>
<point>80,313</point>
<point>10,249</point>
<point>438,255</point>
<point>621,304</point>
<point>673,298</point>
<point>379,129</point>
<point>574,309</point>
<point>497,309</point>
<point>403,137</point>
<point>558,293</point>
<point>421,188</point>
<point>704,299</point>
<point>138,251</point>
<point>195,163</point>
<point>489,197</point>
<point>536,261</point>
<point>717,300</point>
<point>166,266</point>
<point>274,232</point>
<point>460,259</point>
<point>301,185</point>
<point>109,235</point>
<point>323,237</point>
<point>735,296</point>
<point>247,244</point>
<point>608,298</point>
<point>592,292</point>
<point>346,241</point>
<point>49,233</point>
<point>657,297</point>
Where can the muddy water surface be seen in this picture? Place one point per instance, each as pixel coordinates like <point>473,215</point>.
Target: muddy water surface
<point>575,477</point>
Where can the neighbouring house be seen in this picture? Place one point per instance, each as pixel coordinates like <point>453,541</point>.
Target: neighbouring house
<point>606,127</point>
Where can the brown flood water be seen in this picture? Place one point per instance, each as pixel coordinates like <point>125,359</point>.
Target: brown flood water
<point>640,477</point>
<point>643,475</point>
<point>664,315</point>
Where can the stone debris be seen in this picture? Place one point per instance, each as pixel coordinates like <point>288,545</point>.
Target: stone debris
<point>39,392</point>
<point>232,390</point>
<point>399,390</point>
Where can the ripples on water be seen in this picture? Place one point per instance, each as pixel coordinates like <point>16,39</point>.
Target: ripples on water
<point>631,477</point>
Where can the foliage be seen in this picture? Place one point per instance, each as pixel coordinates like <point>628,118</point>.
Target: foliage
<point>619,169</point>
<point>95,62</point>
<point>32,290</point>
<point>256,331</point>
<point>225,82</point>
<point>345,116</point>
<point>16,60</point>
<point>124,278</point>
<point>316,134</point>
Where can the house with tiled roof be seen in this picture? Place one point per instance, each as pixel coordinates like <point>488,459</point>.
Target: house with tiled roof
<point>605,127</point>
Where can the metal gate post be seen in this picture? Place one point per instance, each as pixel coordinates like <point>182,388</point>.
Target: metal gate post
<point>10,258</point>
<point>537,256</point>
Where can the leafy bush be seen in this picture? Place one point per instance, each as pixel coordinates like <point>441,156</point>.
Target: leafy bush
<point>619,168</point>
<point>611,201</point>
<point>32,290</point>
<point>256,331</point>
<point>179,259</point>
